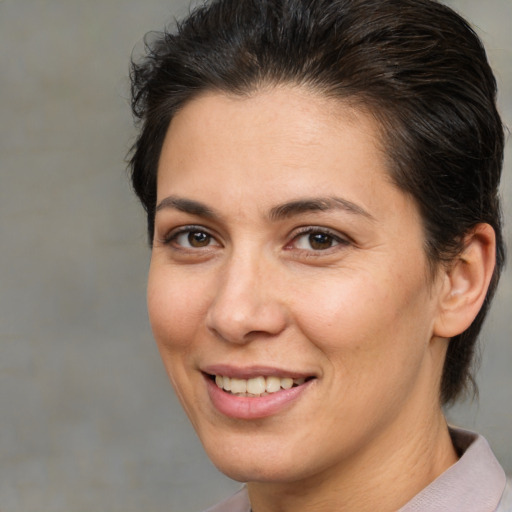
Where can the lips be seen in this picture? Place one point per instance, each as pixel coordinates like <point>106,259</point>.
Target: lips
<point>255,393</point>
<point>256,386</point>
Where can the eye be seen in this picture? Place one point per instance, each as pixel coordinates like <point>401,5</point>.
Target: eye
<point>192,238</point>
<point>314,239</point>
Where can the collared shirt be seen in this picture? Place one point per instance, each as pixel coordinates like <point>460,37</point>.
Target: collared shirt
<point>475,483</point>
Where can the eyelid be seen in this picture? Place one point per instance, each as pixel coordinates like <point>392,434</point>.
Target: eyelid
<point>339,238</point>
<point>174,233</point>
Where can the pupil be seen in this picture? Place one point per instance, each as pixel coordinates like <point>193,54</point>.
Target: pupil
<point>198,239</point>
<point>320,241</point>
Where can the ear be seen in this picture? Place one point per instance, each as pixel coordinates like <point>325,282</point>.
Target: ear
<point>465,282</point>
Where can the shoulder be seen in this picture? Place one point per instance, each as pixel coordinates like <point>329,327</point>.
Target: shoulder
<point>239,502</point>
<point>506,499</point>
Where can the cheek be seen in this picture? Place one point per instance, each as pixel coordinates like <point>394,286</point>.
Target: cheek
<point>176,307</point>
<point>372,336</point>
<point>367,319</point>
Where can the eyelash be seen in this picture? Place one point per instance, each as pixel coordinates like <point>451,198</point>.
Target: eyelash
<point>175,234</point>
<point>335,238</point>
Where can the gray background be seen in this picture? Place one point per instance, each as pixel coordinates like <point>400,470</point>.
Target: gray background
<point>88,421</point>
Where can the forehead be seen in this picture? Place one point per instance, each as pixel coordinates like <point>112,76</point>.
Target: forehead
<point>302,110</point>
<point>280,132</point>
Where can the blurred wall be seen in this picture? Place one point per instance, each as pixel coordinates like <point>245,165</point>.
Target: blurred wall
<point>88,421</point>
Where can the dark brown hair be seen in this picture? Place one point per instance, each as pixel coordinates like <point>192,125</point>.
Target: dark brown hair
<point>415,65</point>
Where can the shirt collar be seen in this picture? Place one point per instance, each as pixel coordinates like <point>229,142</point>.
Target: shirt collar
<point>474,483</point>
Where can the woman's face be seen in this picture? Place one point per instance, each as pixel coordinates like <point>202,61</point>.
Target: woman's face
<point>284,256</point>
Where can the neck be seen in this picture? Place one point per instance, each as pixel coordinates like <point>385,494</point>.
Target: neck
<point>398,465</point>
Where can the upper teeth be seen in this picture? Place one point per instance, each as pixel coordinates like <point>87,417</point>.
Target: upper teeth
<point>256,385</point>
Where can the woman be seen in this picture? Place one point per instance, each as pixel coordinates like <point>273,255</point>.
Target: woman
<point>320,179</point>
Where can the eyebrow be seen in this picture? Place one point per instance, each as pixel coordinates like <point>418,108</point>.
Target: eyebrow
<point>316,204</point>
<point>279,212</point>
<point>187,206</point>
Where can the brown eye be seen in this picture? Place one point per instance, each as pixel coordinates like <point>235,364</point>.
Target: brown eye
<point>320,241</point>
<point>317,239</point>
<point>198,239</point>
<point>193,239</point>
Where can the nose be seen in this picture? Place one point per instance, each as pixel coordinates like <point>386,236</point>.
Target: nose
<point>248,302</point>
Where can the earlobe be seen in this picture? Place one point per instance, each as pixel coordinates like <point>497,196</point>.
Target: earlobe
<point>465,282</point>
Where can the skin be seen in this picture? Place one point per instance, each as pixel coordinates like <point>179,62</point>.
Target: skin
<point>359,311</point>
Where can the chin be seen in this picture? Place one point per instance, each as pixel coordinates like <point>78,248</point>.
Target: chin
<point>259,460</point>
<point>246,459</point>
<point>254,471</point>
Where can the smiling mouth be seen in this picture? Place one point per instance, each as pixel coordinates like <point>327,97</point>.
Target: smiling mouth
<point>256,386</point>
